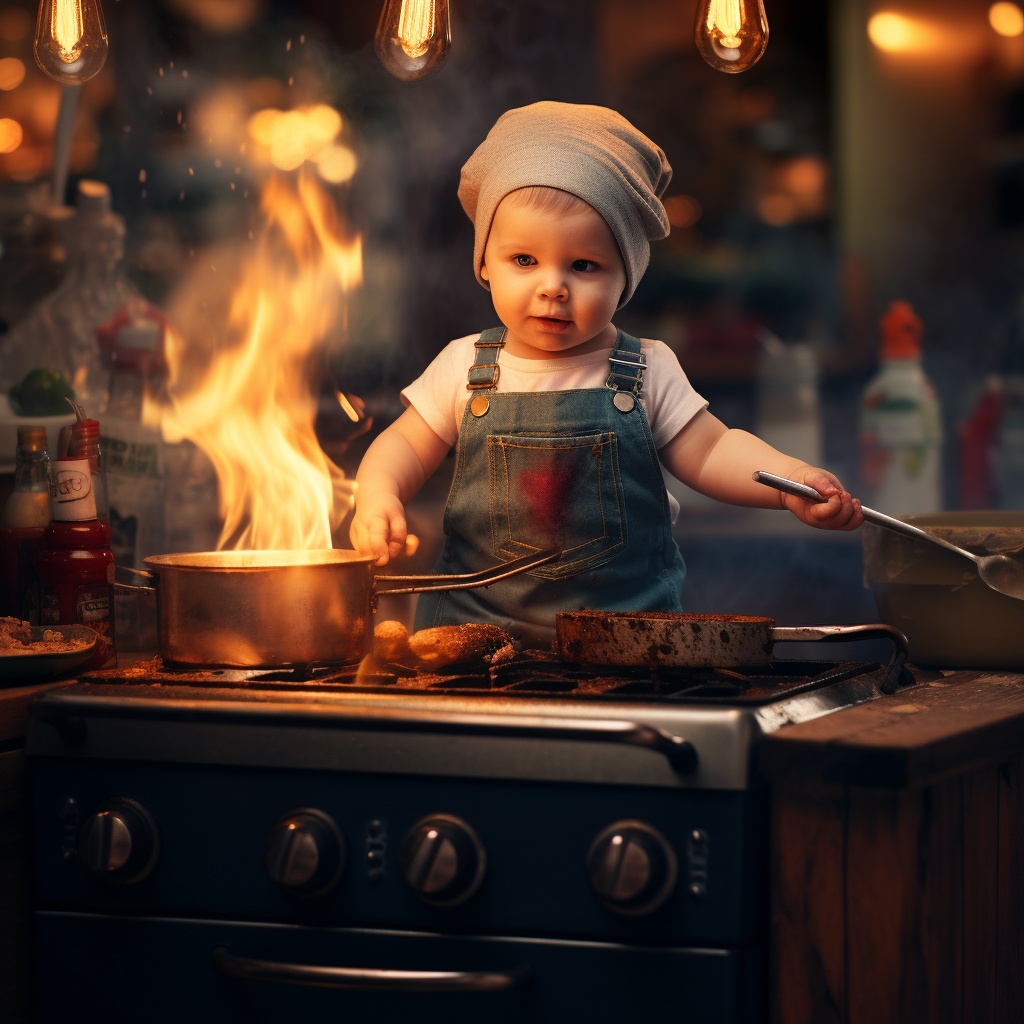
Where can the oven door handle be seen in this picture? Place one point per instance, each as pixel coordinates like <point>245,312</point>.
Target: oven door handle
<point>367,978</point>
<point>57,710</point>
<point>680,753</point>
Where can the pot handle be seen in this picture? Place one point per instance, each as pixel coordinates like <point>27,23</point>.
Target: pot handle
<point>463,581</point>
<point>132,579</point>
<point>366,978</point>
<point>870,631</point>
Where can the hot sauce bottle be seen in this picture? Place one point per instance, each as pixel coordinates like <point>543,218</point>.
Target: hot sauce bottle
<point>73,585</point>
<point>22,523</point>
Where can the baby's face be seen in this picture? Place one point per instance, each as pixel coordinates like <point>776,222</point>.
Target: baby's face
<point>556,278</point>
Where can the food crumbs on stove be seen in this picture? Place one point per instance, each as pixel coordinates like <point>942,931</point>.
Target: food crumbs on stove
<point>16,638</point>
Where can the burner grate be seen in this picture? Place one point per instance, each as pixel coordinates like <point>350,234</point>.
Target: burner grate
<point>529,674</point>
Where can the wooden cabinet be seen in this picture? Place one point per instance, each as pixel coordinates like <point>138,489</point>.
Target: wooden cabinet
<point>897,871</point>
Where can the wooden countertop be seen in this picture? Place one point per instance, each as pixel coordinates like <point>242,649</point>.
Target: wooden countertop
<point>14,702</point>
<point>943,726</point>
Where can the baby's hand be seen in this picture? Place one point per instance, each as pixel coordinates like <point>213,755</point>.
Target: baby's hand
<point>839,512</point>
<point>378,526</point>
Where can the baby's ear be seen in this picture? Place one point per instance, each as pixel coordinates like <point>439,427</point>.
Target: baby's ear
<point>483,271</point>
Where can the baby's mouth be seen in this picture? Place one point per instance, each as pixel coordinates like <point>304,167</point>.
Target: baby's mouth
<point>554,323</point>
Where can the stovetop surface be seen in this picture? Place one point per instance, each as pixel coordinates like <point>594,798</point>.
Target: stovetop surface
<point>530,674</point>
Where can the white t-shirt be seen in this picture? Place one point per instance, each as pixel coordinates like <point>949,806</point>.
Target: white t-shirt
<point>439,395</point>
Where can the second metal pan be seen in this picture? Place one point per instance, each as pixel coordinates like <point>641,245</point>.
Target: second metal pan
<point>655,639</point>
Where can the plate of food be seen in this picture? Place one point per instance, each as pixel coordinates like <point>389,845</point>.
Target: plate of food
<point>30,653</point>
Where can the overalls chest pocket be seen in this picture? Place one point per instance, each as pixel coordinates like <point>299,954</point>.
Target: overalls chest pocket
<point>556,490</point>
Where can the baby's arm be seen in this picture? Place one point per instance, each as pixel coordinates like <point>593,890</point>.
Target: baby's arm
<point>393,469</point>
<point>719,462</point>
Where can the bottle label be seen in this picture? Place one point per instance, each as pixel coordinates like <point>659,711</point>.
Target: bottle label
<point>91,604</point>
<point>72,498</point>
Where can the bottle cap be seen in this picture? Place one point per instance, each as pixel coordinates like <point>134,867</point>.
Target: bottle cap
<point>93,197</point>
<point>901,332</point>
<point>32,439</point>
<point>71,494</point>
<point>85,440</point>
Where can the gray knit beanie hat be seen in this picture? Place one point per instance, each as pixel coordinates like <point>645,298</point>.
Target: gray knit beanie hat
<point>592,152</point>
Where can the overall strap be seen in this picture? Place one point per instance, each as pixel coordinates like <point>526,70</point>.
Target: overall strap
<point>627,365</point>
<point>483,374</point>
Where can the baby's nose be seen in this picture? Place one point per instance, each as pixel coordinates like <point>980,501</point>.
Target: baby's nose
<point>554,288</point>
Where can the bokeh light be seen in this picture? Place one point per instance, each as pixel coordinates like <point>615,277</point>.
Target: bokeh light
<point>12,73</point>
<point>288,138</point>
<point>683,211</point>
<point>1007,19</point>
<point>336,164</point>
<point>777,209</point>
<point>10,135</point>
<point>894,33</point>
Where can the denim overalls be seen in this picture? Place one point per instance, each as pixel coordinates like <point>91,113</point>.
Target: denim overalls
<point>577,469</point>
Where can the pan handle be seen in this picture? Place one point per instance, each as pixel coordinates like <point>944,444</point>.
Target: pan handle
<point>463,581</point>
<point>366,978</point>
<point>131,579</point>
<point>870,631</point>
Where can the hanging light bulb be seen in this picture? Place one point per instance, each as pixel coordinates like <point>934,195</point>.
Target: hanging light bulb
<point>731,34</point>
<point>413,37</point>
<point>71,39</point>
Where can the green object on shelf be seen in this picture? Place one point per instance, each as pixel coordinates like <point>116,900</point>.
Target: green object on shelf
<point>42,393</point>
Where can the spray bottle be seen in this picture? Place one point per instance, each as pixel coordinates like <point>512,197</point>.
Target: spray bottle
<point>901,429</point>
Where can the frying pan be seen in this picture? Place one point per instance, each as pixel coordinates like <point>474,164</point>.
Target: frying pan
<point>666,639</point>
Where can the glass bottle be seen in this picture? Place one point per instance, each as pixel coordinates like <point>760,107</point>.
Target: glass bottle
<point>59,333</point>
<point>23,521</point>
<point>76,554</point>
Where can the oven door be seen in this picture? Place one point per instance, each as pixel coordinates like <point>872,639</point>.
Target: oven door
<point>173,970</point>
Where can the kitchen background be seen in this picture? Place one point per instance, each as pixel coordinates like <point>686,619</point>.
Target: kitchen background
<point>875,153</point>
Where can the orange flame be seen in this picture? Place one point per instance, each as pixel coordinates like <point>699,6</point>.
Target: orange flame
<point>247,400</point>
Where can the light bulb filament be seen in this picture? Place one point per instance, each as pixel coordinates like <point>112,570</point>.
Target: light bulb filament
<point>413,37</point>
<point>725,18</point>
<point>416,26</point>
<point>67,29</point>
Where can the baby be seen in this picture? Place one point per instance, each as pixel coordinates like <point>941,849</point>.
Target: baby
<point>563,422</point>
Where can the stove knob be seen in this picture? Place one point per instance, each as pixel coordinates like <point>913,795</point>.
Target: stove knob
<point>632,868</point>
<point>120,842</point>
<point>306,853</point>
<point>443,860</point>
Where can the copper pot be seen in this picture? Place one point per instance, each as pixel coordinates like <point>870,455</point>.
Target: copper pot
<point>274,609</point>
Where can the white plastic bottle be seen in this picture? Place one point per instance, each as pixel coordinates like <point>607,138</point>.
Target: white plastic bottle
<point>133,450</point>
<point>901,428</point>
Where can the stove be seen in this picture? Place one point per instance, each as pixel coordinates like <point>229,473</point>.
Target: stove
<point>535,841</point>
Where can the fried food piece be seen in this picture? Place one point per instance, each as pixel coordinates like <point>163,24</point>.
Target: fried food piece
<point>390,641</point>
<point>457,645</point>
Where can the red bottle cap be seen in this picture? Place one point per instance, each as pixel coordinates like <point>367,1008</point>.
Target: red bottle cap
<point>84,443</point>
<point>901,332</point>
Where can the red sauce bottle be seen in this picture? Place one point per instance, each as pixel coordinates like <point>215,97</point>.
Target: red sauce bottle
<point>76,551</point>
<point>73,583</point>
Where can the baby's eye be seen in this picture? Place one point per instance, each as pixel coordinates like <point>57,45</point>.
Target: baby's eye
<point>522,260</point>
<point>584,266</point>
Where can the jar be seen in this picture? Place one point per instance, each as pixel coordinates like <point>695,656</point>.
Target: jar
<point>73,585</point>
